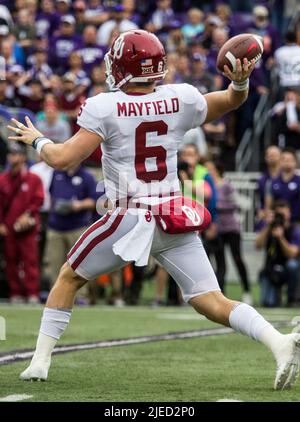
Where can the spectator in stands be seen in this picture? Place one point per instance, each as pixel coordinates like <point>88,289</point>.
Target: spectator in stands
<point>223,12</point>
<point>31,95</point>
<point>216,136</point>
<point>4,31</point>
<point>5,100</point>
<point>47,19</point>
<point>273,166</point>
<point>40,69</point>
<point>287,62</point>
<point>131,13</point>
<point>287,185</point>
<point>160,18</point>
<point>174,42</point>
<point>76,68</point>
<point>92,54</point>
<point>281,241</point>
<point>56,85</point>
<point>261,26</point>
<point>12,52</point>
<point>98,77</point>
<point>183,71</point>
<point>62,45</point>
<point>116,20</point>
<point>70,100</point>
<point>21,195</point>
<point>229,229</point>
<point>79,7</point>
<point>196,136</point>
<point>287,123</point>
<point>63,7</point>
<point>195,24</point>
<point>200,78</point>
<point>211,23</point>
<point>73,199</point>
<point>24,29</point>
<point>95,13</point>
<point>219,38</point>
<point>54,127</point>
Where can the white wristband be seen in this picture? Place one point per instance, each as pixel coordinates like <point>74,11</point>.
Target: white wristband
<point>41,143</point>
<point>240,86</point>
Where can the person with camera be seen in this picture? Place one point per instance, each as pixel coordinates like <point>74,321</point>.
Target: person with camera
<point>281,242</point>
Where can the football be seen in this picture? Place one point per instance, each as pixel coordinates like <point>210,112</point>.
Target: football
<point>242,46</point>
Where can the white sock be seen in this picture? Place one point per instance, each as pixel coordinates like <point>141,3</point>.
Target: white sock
<point>246,320</point>
<point>53,324</point>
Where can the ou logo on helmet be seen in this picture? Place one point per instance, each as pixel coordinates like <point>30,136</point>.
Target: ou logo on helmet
<point>119,47</point>
<point>191,214</point>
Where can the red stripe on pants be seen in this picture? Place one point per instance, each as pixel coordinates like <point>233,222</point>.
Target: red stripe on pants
<point>94,227</point>
<point>97,240</point>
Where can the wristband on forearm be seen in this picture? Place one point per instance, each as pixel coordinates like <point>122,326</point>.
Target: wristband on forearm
<point>240,86</point>
<point>40,142</point>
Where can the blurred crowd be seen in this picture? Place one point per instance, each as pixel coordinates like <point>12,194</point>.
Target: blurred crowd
<point>54,51</point>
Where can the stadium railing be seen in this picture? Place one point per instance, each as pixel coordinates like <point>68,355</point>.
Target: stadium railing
<point>247,156</point>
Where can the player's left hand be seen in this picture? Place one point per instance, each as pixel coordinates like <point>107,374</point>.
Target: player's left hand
<point>242,71</point>
<point>26,134</point>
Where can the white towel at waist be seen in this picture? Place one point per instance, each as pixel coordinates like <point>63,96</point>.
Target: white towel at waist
<point>136,244</point>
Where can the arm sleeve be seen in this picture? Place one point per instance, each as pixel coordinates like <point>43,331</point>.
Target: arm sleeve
<point>87,118</point>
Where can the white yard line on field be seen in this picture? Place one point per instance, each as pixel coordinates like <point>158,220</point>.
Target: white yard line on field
<point>16,397</point>
<point>229,400</point>
<point>183,317</point>
<point>20,355</point>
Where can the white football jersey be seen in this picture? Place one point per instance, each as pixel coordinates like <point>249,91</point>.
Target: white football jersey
<point>142,134</point>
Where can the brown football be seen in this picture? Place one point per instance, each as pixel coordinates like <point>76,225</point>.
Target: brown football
<point>242,46</point>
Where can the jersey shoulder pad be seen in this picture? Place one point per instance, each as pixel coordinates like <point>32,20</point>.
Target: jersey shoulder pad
<point>101,105</point>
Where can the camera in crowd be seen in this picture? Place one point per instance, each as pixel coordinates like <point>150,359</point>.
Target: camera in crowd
<point>279,221</point>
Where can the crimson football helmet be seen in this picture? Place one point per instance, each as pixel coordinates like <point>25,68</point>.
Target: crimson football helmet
<point>135,56</point>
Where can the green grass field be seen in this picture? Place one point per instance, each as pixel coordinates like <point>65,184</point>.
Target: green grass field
<point>201,369</point>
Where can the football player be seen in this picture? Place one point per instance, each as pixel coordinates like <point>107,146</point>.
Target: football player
<point>140,126</point>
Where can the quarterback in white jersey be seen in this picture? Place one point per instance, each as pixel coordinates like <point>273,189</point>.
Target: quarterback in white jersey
<point>140,126</point>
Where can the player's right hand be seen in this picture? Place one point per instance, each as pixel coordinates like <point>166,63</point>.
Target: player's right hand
<point>243,71</point>
<point>26,134</point>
